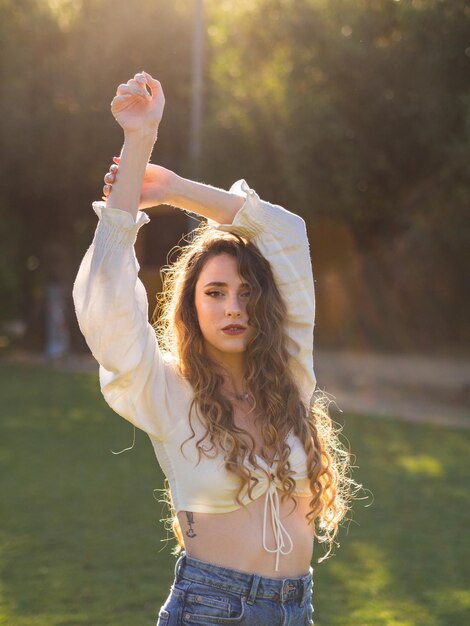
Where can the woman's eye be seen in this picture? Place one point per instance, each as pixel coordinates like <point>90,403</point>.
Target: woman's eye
<point>246,294</point>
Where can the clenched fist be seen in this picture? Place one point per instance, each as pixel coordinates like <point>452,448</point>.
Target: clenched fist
<point>135,108</point>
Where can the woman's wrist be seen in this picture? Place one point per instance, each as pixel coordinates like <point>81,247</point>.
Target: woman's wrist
<point>135,154</point>
<point>175,191</point>
<point>144,136</point>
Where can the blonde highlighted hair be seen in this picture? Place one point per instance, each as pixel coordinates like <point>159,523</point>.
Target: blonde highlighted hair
<point>277,400</point>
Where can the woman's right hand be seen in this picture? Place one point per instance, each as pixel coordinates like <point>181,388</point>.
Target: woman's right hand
<point>155,187</point>
<point>135,109</point>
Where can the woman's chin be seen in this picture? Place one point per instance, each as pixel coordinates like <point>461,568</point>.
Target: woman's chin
<point>228,347</point>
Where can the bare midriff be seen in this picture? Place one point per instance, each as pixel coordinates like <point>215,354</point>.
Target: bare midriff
<point>235,539</point>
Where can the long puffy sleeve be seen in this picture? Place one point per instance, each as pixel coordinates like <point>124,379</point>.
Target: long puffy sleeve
<point>111,305</point>
<point>281,237</point>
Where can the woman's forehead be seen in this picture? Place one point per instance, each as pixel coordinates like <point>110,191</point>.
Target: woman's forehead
<point>222,268</point>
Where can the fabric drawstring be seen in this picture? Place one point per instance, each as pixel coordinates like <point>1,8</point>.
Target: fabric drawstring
<point>272,498</point>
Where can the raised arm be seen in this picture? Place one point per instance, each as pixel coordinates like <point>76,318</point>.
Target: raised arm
<point>281,237</point>
<point>139,113</point>
<point>110,301</point>
<point>162,186</point>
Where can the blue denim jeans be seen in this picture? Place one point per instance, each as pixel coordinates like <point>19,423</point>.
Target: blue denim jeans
<point>203,593</point>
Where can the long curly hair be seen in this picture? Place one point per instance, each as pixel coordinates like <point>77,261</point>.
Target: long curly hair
<point>278,406</point>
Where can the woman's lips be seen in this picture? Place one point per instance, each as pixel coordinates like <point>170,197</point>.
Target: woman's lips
<point>233,331</point>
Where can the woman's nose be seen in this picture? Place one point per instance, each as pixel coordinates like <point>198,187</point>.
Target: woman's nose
<point>233,306</point>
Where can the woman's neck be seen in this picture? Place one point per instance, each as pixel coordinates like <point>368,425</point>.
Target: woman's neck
<point>233,369</point>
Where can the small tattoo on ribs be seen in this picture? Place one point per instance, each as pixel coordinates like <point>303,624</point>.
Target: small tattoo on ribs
<point>190,518</point>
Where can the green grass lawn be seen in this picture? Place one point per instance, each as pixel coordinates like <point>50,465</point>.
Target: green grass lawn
<point>81,542</point>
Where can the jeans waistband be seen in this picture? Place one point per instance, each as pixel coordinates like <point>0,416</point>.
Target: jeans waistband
<point>251,586</point>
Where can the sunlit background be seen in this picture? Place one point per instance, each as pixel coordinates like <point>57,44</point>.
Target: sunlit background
<point>354,114</point>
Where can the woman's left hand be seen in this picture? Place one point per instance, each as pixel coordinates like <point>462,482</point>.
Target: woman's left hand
<point>156,185</point>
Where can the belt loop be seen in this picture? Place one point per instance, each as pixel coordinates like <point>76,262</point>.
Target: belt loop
<point>307,583</point>
<point>178,564</point>
<point>254,588</point>
<point>304,592</point>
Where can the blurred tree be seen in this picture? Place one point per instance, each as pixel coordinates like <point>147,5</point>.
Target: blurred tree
<point>354,113</point>
<point>60,65</point>
<point>356,110</point>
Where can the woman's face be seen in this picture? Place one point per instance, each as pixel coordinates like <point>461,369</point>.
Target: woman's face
<point>220,299</point>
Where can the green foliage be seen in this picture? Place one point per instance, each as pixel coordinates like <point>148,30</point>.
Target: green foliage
<point>343,107</point>
<point>61,65</point>
<point>354,111</point>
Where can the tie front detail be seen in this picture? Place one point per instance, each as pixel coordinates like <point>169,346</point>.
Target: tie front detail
<point>269,485</point>
<point>281,536</point>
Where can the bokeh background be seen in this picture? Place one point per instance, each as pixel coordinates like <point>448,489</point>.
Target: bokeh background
<point>354,114</point>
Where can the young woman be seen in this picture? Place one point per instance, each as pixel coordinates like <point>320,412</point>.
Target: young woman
<point>223,385</point>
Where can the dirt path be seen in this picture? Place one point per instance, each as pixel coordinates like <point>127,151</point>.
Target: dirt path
<point>411,387</point>
<point>417,388</point>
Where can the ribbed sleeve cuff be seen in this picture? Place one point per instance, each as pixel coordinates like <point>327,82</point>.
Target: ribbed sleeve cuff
<point>255,216</point>
<point>116,228</point>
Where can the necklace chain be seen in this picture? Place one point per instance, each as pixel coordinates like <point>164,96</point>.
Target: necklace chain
<point>244,397</point>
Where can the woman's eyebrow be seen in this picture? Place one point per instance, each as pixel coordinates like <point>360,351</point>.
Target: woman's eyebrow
<point>219,284</point>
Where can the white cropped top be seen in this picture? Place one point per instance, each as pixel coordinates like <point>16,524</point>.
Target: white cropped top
<point>142,384</point>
